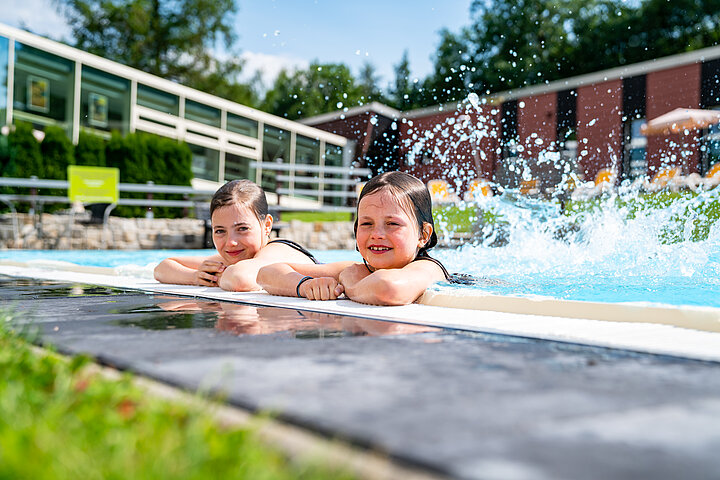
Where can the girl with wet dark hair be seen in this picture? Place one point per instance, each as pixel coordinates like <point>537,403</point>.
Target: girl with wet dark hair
<point>394,230</point>
<point>241,229</point>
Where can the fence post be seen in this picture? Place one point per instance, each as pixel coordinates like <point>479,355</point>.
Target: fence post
<point>149,213</point>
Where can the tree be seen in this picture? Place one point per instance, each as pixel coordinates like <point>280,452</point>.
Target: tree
<point>450,79</point>
<point>515,43</point>
<point>401,92</point>
<point>368,84</point>
<point>321,88</point>
<point>172,39</point>
<point>519,43</point>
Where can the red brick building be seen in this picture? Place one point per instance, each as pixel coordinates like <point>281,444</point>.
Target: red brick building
<point>593,120</point>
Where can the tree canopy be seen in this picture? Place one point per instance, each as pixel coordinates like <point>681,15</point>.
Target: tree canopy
<point>506,44</point>
<point>173,39</point>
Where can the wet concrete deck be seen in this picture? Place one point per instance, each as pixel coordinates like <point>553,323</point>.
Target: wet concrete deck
<point>465,404</point>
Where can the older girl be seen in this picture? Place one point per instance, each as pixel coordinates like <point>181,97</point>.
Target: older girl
<point>241,229</point>
<point>394,229</point>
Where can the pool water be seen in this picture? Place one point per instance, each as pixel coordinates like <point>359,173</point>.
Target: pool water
<point>623,249</point>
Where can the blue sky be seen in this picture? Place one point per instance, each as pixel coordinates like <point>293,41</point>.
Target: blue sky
<point>283,33</point>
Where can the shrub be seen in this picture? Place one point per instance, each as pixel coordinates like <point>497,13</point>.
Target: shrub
<point>90,150</point>
<point>25,157</point>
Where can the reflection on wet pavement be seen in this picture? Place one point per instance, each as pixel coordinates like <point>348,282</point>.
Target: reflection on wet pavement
<point>241,319</point>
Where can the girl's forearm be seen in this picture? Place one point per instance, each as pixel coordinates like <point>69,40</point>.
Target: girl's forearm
<point>279,279</point>
<point>170,271</point>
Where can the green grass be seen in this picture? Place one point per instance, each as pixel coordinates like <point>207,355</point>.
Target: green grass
<point>463,218</point>
<point>316,216</point>
<point>703,213</point>
<point>60,421</point>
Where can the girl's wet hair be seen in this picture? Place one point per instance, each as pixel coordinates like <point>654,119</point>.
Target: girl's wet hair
<point>412,195</point>
<point>243,192</point>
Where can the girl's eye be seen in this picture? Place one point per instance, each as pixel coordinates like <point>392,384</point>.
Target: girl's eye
<point>365,224</point>
<point>219,232</point>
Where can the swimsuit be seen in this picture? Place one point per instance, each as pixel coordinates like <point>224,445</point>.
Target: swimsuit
<point>296,246</point>
<point>456,278</point>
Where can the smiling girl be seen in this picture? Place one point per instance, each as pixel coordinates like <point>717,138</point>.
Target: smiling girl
<point>394,230</point>
<point>241,229</point>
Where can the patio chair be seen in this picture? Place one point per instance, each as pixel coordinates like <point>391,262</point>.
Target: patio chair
<point>606,175</point>
<point>478,188</point>
<point>529,187</point>
<point>661,179</point>
<point>440,191</point>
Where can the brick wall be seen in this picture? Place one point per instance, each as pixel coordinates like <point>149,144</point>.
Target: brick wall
<point>666,90</point>
<point>599,127</point>
<point>537,122</point>
<point>454,145</point>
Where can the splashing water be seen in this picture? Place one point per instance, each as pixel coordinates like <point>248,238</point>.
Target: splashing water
<point>625,246</point>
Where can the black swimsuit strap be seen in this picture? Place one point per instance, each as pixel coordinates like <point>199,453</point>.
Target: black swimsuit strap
<point>425,256</point>
<point>296,246</point>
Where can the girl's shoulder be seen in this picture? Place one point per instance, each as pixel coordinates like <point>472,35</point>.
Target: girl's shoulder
<point>437,262</point>
<point>284,243</point>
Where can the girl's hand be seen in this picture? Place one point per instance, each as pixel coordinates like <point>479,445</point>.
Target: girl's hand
<point>351,275</point>
<point>322,288</point>
<point>208,273</point>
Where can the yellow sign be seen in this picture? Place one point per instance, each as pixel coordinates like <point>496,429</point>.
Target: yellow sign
<point>93,184</point>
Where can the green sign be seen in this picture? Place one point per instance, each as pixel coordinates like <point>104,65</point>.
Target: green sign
<point>93,184</point>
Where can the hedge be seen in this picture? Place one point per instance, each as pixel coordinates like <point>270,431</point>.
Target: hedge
<point>140,157</point>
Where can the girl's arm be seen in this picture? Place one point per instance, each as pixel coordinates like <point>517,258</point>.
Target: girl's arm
<point>283,279</point>
<point>242,276</point>
<point>397,286</point>
<point>190,270</point>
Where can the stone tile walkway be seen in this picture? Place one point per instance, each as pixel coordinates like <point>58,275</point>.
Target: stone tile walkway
<point>468,405</point>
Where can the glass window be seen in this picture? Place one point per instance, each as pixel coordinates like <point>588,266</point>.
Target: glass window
<point>43,87</point>
<point>307,152</point>
<point>4,57</point>
<point>205,162</point>
<point>276,150</point>
<point>201,113</point>
<point>158,100</point>
<point>334,158</point>
<point>242,125</point>
<point>237,167</point>
<point>635,127</point>
<point>104,101</point>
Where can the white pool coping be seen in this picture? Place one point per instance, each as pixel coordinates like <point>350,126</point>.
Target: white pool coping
<point>622,326</point>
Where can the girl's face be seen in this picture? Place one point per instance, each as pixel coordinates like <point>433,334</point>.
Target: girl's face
<point>237,232</point>
<point>387,235</point>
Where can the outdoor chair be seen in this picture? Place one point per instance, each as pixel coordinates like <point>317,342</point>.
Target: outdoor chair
<point>477,189</point>
<point>440,191</point>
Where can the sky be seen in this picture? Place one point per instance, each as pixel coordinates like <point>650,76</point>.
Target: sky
<point>276,34</point>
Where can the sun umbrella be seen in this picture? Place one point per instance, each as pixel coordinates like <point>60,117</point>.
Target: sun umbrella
<point>679,120</point>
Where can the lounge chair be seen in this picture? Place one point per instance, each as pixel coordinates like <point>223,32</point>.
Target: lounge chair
<point>477,189</point>
<point>440,191</point>
<point>529,187</point>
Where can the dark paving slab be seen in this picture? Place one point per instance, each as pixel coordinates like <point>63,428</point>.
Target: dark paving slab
<point>466,404</point>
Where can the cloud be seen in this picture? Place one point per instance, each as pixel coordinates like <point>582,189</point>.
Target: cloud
<point>38,16</point>
<point>269,66</point>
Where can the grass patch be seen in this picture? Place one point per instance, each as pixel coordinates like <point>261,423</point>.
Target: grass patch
<point>463,218</point>
<point>703,212</point>
<point>59,421</point>
<point>316,216</point>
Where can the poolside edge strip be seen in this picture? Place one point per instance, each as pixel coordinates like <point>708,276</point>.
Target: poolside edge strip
<point>696,318</point>
<point>641,337</point>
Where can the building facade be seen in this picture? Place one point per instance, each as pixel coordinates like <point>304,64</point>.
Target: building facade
<point>591,123</point>
<point>48,83</point>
